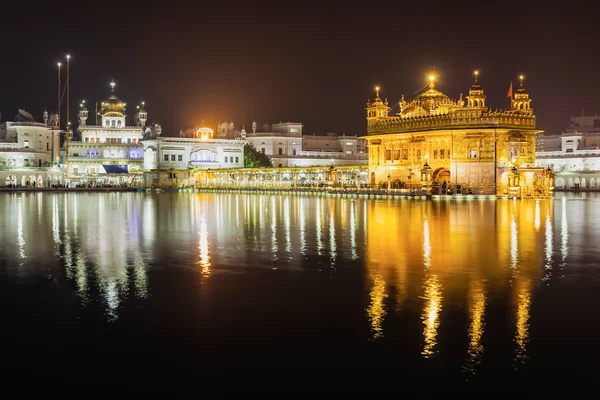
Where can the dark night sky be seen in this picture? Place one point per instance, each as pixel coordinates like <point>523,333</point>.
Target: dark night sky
<point>315,64</point>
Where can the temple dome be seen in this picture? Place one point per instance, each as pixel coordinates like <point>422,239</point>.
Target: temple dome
<point>430,102</point>
<point>113,106</point>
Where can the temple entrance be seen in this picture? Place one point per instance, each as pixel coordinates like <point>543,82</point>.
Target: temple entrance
<point>441,175</point>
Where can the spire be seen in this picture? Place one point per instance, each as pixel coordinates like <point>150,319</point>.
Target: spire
<point>431,81</point>
<point>521,77</point>
<point>476,98</point>
<point>112,87</point>
<point>377,88</point>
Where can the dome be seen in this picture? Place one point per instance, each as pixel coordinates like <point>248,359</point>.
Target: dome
<point>427,103</point>
<point>113,106</point>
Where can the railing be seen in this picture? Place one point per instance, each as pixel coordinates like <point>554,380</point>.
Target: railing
<point>52,169</point>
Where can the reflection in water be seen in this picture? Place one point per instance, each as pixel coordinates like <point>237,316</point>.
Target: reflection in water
<point>548,248</point>
<point>55,223</point>
<point>522,319</point>
<point>81,277</point>
<point>332,243</point>
<point>286,220</point>
<point>477,300</point>
<point>302,227</point>
<point>376,309</point>
<point>537,221</point>
<point>68,251</point>
<point>564,230</point>
<point>140,277</point>
<point>431,314</point>
<point>433,298</point>
<point>274,247</point>
<point>20,237</point>
<point>353,230</point>
<point>514,246</point>
<point>318,228</point>
<point>203,246</point>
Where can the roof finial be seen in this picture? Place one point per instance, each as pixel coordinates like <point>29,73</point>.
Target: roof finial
<point>377,88</point>
<point>431,81</point>
<point>521,77</point>
<point>112,86</point>
<point>476,75</point>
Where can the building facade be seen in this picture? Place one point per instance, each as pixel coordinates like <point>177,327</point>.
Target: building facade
<point>287,146</point>
<point>574,154</point>
<point>30,151</point>
<point>456,146</point>
<point>170,161</point>
<point>111,149</point>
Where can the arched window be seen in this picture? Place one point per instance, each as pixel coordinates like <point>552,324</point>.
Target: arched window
<point>107,123</point>
<point>119,123</point>
<point>114,124</point>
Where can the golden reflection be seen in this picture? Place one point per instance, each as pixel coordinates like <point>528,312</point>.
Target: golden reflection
<point>203,247</point>
<point>376,309</point>
<point>318,229</point>
<point>332,243</point>
<point>537,221</point>
<point>68,251</point>
<point>55,222</point>
<point>302,227</point>
<point>477,302</point>
<point>20,237</point>
<point>564,230</point>
<point>514,237</point>
<point>274,247</point>
<point>431,314</point>
<point>140,277</point>
<point>286,219</point>
<point>426,244</point>
<point>353,229</point>
<point>522,319</point>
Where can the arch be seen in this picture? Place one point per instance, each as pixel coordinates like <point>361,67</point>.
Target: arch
<point>441,175</point>
<point>119,123</point>
<point>583,182</point>
<point>570,183</point>
<point>107,124</point>
<point>592,182</point>
<point>560,183</point>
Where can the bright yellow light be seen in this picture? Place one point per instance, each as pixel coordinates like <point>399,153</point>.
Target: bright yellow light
<point>59,64</point>
<point>377,88</point>
<point>68,56</point>
<point>431,78</point>
<point>476,72</point>
<point>521,77</point>
<point>83,101</point>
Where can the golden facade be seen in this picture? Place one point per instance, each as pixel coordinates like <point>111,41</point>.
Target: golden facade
<point>448,146</point>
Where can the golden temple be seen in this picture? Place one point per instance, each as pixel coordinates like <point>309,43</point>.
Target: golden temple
<point>459,146</point>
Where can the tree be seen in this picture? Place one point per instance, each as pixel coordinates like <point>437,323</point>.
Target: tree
<point>254,158</point>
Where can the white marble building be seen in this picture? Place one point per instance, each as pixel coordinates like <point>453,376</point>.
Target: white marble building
<point>573,155</point>
<point>198,149</point>
<point>287,146</point>
<point>111,148</point>
<point>30,151</point>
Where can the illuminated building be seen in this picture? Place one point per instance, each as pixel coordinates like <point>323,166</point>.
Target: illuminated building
<point>287,146</point>
<point>574,154</point>
<point>171,161</point>
<point>110,150</point>
<point>456,146</point>
<point>30,151</point>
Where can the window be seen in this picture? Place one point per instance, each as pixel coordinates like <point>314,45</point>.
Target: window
<point>419,154</point>
<point>172,157</point>
<point>442,153</point>
<point>569,151</point>
<point>280,165</point>
<point>226,159</point>
<point>87,140</point>
<point>180,157</point>
<point>128,140</point>
<point>327,144</point>
<point>396,154</point>
<point>473,154</point>
<point>26,144</point>
<point>75,170</point>
<point>114,123</point>
<point>92,170</point>
<point>134,140</point>
<point>237,159</point>
<point>388,155</point>
<point>166,157</point>
<point>280,151</point>
<point>435,154</point>
<point>448,153</point>
<point>348,143</point>
<point>348,151</point>
<point>294,151</point>
<point>262,150</point>
<point>405,154</point>
<point>47,146</point>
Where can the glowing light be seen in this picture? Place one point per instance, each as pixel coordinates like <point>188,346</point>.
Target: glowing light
<point>353,230</point>
<point>426,244</point>
<point>332,242</point>
<point>564,230</point>
<point>514,251</point>
<point>476,72</point>
<point>522,322</point>
<point>376,309</point>
<point>286,218</point>
<point>20,238</point>
<point>68,57</point>
<point>274,246</point>
<point>537,221</point>
<point>431,78</point>
<point>549,248</point>
<point>431,315</point>
<point>521,77</point>
<point>203,247</point>
<point>112,85</point>
<point>318,222</point>
<point>59,64</point>
<point>302,227</point>
<point>477,301</point>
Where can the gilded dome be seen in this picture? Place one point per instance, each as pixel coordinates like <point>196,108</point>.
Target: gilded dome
<point>113,106</point>
<point>430,102</point>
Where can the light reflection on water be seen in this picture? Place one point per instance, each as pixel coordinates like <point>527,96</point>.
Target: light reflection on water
<point>417,262</point>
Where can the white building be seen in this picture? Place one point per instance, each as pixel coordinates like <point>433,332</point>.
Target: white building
<point>198,149</point>
<point>30,151</point>
<point>286,145</point>
<point>111,149</point>
<point>574,154</point>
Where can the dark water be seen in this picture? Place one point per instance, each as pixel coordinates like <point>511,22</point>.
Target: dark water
<point>300,290</point>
